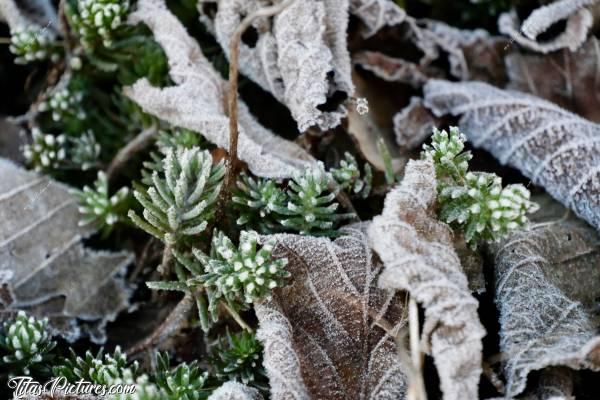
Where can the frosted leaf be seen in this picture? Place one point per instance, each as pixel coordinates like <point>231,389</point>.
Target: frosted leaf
<point>414,124</point>
<point>553,147</point>
<point>574,77</point>
<point>43,263</point>
<point>376,14</point>
<point>546,289</point>
<point>197,102</point>
<point>10,13</point>
<point>418,254</point>
<point>579,22</point>
<point>233,390</point>
<point>319,334</point>
<point>301,57</point>
<point>394,69</point>
<point>471,55</point>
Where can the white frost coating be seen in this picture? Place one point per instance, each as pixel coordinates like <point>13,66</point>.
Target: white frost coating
<point>44,264</point>
<point>233,390</point>
<point>197,102</point>
<point>542,18</point>
<point>375,14</point>
<point>541,324</point>
<point>319,336</point>
<point>553,147</point>
<point>301,58</point>
<point>418,254</point>
<point>10,13</point>
<point>413,124</point>
<point>579,23</point>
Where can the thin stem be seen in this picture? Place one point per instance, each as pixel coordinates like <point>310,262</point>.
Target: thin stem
<point>416,389</point>
<point>167,257</point>
<point>234,314</point>
<point>4,40</point>
<point>133,147</point>
<point>232,97</point>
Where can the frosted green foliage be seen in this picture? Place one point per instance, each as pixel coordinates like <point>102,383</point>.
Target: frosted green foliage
<point>483,209</point>
<point>180,200</point>
<point>85,151</point>
<point>244,273</point>
<point>186,382</point>
<point>97,207</point>
<point>33,43</point>
<point>101,369</point>
<point>446,150</point>
<point>144,388</point>
<point>348,176</point>
<point>238,356</point>
<point>46,152</point>
<point>179,137</point>
<point>311,208</point>
<point>260,203</point>
<point>26,342</point>
<point>96,20</point>
<point>474,202</point>
<point>64,104</point>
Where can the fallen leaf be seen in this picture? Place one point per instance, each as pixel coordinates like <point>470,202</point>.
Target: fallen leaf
<point>45,268</point>
<point>579,21</point>
<point>418,254</point>
<point>546,289</point>
<point>319,332</point>
<point>553,147</point>
<point>375,14</point>
<point>414,124</point>
<point>574,76</point>
<point>299,55</point>
<point>233,390</point>
<point>197,102</point>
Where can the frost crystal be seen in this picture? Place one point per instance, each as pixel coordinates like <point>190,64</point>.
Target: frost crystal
<point>64,104</point>
<point>96,20</point>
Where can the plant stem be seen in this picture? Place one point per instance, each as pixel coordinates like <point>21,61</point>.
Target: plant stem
<point>132,148</point>
<point>416,389</point>
<point>232,96</point>
<point>234,314</point>
<point>167,256</point>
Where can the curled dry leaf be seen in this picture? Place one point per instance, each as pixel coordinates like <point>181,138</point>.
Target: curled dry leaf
<point>233,390</point>
<point>471,55</point>
<point>414,124</point>
<point>44,267</point>
<point>574,76</point>
<point>418,254</point>
<point>300,55</point>
<point>321,333</point>
<point>197,102</point>
<point>546,290</point>
<point>553,147</point>
<point>375,14</point>
<point>579,22</point>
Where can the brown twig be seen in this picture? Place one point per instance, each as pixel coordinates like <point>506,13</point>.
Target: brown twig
<point>234,314</point>
<point>232,96</point>
<point>170,326</point>
<point>133,147</point>
<point>167,257</point>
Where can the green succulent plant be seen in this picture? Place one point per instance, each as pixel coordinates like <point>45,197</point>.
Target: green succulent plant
<point>34,43</point>
<point>95,21</point>
<point>238,356</point>
<point>260,203</point>
<point>99,208</point>
<point>46,152</point>
<point>349,178</point>
<point>180,201</point>
<point>185,382</point>
<point>474,202</point>
<point>26,343</point>
<point>101,369</point>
